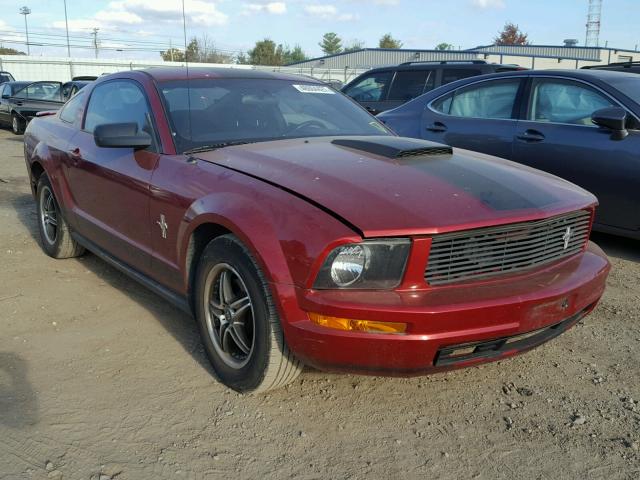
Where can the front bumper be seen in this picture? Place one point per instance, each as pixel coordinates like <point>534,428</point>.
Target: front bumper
<point>444,318</point>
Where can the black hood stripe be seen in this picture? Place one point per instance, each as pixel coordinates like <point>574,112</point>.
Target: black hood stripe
<point>496,188</point>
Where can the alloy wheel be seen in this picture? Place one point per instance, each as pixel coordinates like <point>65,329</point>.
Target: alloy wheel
<point>49,215</point>
<point>229,315</point>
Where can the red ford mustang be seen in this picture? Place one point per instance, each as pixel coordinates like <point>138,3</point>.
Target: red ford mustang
<point>297,229</point>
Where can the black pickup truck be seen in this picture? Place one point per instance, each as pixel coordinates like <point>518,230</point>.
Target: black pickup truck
<point>21,101</point>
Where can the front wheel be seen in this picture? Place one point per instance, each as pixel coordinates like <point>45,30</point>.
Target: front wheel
<point>238,321</point>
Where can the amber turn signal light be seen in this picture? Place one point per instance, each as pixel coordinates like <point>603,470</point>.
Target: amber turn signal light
<point>352,325</point>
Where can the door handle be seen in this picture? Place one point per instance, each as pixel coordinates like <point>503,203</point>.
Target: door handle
<point>74,153</point>
<point>530,136</point>
<point>437,127</point>
<point>372,110</point>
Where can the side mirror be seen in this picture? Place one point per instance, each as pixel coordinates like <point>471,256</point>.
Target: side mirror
<point>121,135</point>
<point>614,119</point>
<point>5,96</point>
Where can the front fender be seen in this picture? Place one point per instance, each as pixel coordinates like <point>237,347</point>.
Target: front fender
<point>286,235</point>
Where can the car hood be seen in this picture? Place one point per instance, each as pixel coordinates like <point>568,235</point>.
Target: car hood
<point>382,195</point>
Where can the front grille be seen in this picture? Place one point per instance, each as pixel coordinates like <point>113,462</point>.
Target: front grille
<point>492,251</point>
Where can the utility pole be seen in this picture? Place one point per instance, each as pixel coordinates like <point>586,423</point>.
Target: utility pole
<point>95,39</point>
<point>66,24</point>
<point>26,11</point>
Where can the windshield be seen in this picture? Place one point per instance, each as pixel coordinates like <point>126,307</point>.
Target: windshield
<point>628,85</point>
<point>231,110</point>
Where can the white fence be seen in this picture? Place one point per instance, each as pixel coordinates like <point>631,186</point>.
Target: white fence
<point>61,69</point>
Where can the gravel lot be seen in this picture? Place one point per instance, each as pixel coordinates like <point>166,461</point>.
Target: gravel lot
<point>101,379</point>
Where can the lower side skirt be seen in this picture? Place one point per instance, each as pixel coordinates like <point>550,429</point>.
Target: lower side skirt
<point>174,298</point>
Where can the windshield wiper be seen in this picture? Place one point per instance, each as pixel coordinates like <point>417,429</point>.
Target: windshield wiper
<point>214,146</point>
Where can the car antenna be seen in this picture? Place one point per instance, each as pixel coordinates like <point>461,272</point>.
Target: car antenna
<point>186,64</point>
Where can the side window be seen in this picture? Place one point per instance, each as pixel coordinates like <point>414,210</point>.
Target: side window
<point>408,84</point>
<point>72,108</point>
<point>371,88</point>
<point>452,74</point>
<point>42,91</point>
<point>119,101</point>
<point>5,90</point>
<point>66,90</point>
<point>564,101</point>
<point>492,99</point>
<point>431,81</point>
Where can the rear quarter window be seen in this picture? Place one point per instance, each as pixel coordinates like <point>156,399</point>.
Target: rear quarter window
<point>408,84</point>
<point>452,74</point>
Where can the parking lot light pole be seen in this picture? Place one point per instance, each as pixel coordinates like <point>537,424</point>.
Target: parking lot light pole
<point>66,24</point>
<point>26,11</point>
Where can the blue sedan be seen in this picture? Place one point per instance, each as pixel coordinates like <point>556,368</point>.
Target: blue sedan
<point>581,125</point>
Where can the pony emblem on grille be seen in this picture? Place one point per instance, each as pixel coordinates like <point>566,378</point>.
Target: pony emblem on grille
<point>567,237</point>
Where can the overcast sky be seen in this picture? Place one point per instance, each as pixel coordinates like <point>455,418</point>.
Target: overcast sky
<point>236,25</point>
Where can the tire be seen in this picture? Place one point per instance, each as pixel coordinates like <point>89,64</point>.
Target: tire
<point>17,124</point>
<point>55,237</point>
<point>238,322</point>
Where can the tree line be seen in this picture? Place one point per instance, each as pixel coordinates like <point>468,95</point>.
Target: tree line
<point>267,52</point>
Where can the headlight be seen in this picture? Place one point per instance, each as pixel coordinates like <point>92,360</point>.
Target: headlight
<point>372,264</point>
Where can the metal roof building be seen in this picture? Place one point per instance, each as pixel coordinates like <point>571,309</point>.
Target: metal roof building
<point>530,56</point>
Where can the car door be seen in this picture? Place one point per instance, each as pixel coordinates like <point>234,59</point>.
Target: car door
<point>479,117</point>
<point>557,135</point>
<point>370,91</point>
<point>110,186</point>
<point>5,110</point>
<point>38,96</point>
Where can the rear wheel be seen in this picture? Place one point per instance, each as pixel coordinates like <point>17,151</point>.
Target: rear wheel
<point>238,321</point>
<point>17,124</point>
<point>55,237</point>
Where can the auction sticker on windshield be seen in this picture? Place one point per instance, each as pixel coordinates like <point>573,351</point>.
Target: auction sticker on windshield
<point>313,89</point>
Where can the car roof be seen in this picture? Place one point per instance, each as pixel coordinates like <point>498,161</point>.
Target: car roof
<point>163,74</point>
<point>80,83</point>
<point>20,83</point>
<point>603,75</point>
<point>431,65</point>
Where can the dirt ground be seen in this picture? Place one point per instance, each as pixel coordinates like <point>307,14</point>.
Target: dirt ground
<point>100,379</point>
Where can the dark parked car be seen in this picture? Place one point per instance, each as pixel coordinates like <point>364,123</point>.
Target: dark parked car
<point>385,88</point>
<point>581,125</point>
<point>629,67</point>
<point>6,77</point>
<point>69,89</point>
<point>21,101</point>
<point>7,112</point>
<point>297,228</point>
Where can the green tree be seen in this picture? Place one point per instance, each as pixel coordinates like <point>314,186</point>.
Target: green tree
<point>172,55</point>
<point>10,51</point>
<point>511,35</point>
<point>293,55</point>
<point>387,41</point>
<point>354,46</point>
<point>444,46</point>
<point>242,59</point>
<point>331,43</point>
<point>265,52</point>
<point>200,50</point>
